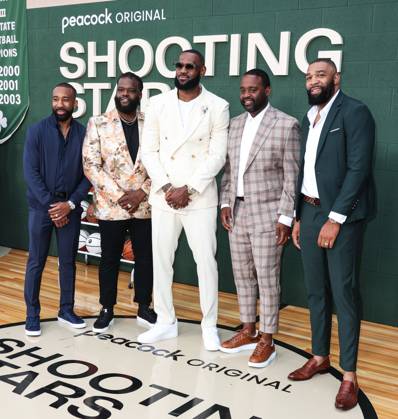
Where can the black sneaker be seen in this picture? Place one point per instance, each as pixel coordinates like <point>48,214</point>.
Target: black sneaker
<point>105,319</point>
<point>146,317</point>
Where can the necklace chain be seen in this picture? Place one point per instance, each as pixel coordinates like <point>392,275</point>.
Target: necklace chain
<point>128,122</point>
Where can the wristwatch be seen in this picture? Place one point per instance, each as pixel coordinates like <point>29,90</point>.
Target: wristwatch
<point>167,187</point>
<point>72,206</point>
<point>190,190</point>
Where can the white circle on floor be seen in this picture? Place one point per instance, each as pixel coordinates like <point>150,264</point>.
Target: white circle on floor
<point>67,373</point>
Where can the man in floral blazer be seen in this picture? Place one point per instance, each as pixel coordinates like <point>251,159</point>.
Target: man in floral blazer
<point>111,160</point>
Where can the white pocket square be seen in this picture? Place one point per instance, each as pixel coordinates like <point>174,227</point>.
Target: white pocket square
<point>334,130</point>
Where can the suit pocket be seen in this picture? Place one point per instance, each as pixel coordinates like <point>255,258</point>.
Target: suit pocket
<point>334,130</point>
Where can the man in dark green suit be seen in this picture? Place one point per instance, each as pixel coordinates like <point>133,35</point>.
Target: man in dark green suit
<point>335,196</point>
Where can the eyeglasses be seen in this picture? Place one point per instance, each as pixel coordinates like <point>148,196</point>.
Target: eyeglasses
<point>188,66</point>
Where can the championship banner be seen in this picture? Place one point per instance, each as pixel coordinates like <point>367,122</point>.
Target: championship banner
<point>14,81</point>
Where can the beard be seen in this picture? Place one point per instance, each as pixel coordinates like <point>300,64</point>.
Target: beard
<point>255,107</point>
<point>326,94</point>
<point>131,107</point>
<point>63,117</point>
<point>189,85</point>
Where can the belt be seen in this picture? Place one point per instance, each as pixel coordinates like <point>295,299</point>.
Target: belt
<point>312,201</point>
<point>240,198</point>
<point>60,195</point>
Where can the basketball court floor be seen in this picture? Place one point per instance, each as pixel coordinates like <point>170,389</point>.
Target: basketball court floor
<point>66,373</point>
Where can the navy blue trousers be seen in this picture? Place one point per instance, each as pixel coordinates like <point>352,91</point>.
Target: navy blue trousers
<point>40,230</point>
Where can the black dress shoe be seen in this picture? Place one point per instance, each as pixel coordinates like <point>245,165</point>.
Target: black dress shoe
<point>105,319</point>
<point>146,317</point>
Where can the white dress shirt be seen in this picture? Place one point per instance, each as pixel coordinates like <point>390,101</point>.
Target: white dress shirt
<point>249,134</point>
<point>309,186</point>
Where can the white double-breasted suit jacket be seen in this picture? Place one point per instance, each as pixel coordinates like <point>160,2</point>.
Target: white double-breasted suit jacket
<point>191,155</point>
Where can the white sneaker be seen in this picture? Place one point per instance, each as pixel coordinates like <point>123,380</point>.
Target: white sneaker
<point>144,323</point>
<point>211,341</point>
<point>159,332</point>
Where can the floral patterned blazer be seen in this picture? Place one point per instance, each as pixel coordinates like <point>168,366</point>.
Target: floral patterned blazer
<point>108,166</point>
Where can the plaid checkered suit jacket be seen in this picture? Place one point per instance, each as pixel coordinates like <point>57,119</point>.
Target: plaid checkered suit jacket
<point>271,171</point>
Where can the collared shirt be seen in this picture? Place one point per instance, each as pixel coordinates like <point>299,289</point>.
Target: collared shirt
<point>309,186</point>
<point>249,134</point>
<point>54,164</point>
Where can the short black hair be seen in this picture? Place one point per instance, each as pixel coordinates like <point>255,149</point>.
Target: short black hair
<point>327,61</point>
<point>259,73</point>
<point>132,76</point>
<point>67,86</point>
<point>197,53</point>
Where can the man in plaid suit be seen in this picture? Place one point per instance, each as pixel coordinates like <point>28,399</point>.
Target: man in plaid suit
<point>257,204</point>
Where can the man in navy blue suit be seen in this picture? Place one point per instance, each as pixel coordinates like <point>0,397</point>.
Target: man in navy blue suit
<point>55,187</point>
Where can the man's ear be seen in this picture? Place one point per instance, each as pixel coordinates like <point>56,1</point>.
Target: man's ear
<point>337,79</point>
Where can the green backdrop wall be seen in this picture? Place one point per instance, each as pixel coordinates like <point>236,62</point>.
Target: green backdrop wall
<point>369,72</point>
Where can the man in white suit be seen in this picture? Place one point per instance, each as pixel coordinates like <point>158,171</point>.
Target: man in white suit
<point>184,147</point>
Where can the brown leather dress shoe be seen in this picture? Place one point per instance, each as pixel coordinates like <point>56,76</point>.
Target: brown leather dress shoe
<point>347,397</point>
<point>309,369</point>
<point>242,341</point>
<point>263,355</point>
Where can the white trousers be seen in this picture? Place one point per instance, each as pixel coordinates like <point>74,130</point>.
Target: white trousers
<point>200,228</point>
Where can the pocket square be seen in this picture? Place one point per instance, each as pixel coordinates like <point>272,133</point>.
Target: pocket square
<point>334,130</point>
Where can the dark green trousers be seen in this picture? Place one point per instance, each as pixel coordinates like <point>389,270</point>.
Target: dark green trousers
<point>331,275</point>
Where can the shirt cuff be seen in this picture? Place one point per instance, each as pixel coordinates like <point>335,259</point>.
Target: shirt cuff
<point>284,219</point>
<point>224,206</point>
<point>340,218</point>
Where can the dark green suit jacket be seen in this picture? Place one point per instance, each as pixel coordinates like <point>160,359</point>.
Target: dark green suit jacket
<point>344,160</point>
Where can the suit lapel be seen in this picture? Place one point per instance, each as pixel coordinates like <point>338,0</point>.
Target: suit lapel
<point>236,139</point>
<point>140,120</point>
<point>305,127</point>
<point>329,120</point>
<point>198,113</point>
<point>262,134</point>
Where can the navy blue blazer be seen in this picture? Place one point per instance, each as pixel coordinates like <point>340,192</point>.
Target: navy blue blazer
<point>40,161</point>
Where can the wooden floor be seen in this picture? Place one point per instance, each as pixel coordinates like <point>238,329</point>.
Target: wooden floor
<point>378,355</point>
